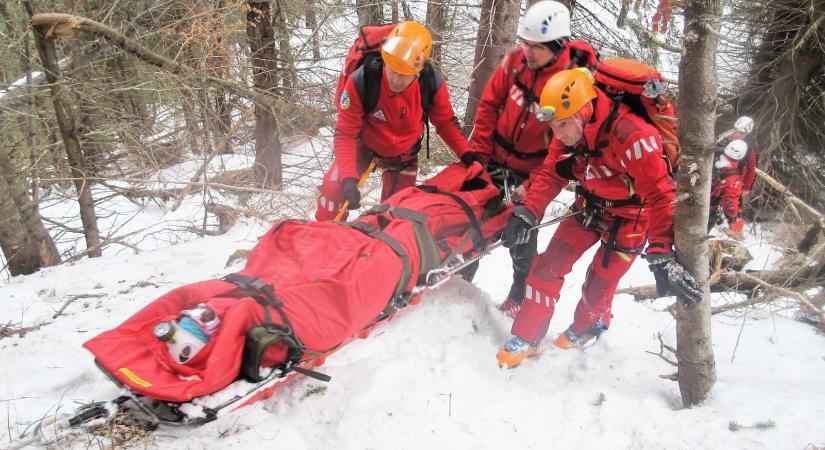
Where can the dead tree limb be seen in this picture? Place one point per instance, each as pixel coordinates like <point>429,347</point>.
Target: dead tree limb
<point>791,198</point>
<point>64,25</point>
<point>804,303</point>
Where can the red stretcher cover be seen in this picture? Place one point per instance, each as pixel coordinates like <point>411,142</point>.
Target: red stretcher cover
<point>332,279</point>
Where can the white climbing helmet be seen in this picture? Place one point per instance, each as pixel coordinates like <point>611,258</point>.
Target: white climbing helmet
<point>545,21</point>
<point>736,149</point>
<point>744,124</point>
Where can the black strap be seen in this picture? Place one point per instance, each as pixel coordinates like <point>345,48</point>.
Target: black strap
<point>600,202</point>
<point>367,80</point>
<point>475,228</point>
<point>429,255</point>
<point>264,294</point>
<point>511,149</point>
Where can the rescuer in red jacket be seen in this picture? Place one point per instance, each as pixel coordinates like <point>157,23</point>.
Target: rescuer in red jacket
<point>726,187</point>
<point>392,131</point>
<point>506,134</point>
<point>625,193</point>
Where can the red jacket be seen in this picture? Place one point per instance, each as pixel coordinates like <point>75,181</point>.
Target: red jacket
<point>395,126</point>
<point>504,110</point>
<point>727,184</point>
<point>631,163</point>
<point>747,167</point>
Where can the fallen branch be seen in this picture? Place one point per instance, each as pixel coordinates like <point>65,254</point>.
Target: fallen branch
<point>71,299</point>
<point>804,303</point>
<point>745,282</point>
<point>793,199</point>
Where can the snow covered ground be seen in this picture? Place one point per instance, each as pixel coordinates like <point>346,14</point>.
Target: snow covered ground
<point>429,379</point>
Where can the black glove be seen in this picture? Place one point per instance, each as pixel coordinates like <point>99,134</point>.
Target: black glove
<point>673,277</point>
<point>518,227</point>
<point>468,158</point>
<point>349,189</point>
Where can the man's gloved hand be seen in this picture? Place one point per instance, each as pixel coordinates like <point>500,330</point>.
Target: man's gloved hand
<point>468,158</point>
<point>672,277</point>
<point>518,227</point>
<point>349,189</point>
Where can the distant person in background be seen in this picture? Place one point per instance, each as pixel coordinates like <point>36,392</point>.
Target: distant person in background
<point>734,172</point>
<point>726,188</point>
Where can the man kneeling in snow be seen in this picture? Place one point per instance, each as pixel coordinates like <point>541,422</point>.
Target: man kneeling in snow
<point>625,193</point>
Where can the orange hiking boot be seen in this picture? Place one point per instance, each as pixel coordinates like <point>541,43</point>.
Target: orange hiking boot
<point>515,351</point>
<point>568,339</point>
<point>565,341</point>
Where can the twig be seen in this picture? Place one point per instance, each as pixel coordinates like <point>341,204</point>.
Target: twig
<point>72,299</point>
<point>805,304</point>
<point>662,348</point>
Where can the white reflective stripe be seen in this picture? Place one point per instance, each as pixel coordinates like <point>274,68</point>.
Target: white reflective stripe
<point>606,171</point>
<point>323,201</point>
<point>547,300</point>
<point>653,143</point>
<point>638,150</point>
<point>538,297</point>
<point>528,291</point>
<point>331,206</point>
<point>646,145</point>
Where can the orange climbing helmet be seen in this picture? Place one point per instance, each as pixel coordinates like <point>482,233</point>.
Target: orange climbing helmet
<point>565,93</point>
<point>407,48</point>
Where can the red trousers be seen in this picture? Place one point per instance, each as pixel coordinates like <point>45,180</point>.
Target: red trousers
<point>726,192</point>
<point>621,239</point>
<point>397,175</point>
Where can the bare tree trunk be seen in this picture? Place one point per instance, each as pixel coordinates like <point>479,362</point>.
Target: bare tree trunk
<point>289,76</point>
<point>496,34</point>
<point>370,12</point>
<point>394,10</point>
<point>23,238</point>
<point>267,169</point>
<point>697,107</point>
<point>436,22</point>
<point>66,122</point>
<point>312,24</point>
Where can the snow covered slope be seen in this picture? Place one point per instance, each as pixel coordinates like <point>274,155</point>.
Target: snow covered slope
<point>429,379</point>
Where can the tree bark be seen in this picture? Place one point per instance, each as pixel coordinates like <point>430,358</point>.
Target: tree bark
<point>436,22</point>
<point>697,106</point>
<point>23,237</point>
<point>312,23</point>
<point>496,34</point>
<point>263,53</point>
<point>68,130</point>
<point>370,12</point>
<point>289,76</point>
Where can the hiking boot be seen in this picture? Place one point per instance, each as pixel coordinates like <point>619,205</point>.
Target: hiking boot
<point>515,351</point>
<point>509,307</point>
<point>569,339</point>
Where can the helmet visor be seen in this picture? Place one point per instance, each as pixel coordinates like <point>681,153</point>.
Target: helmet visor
<point>406,51</point>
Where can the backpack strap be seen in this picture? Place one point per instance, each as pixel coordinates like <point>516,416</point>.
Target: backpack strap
<point>429,82</point>
<point>367,79</point>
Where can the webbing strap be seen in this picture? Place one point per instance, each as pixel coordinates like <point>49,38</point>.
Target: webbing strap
<point>515,152</point>
<point>600,202</point>
<point>375,232</point>
<point>475,227</point>
<point>264,294</point>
